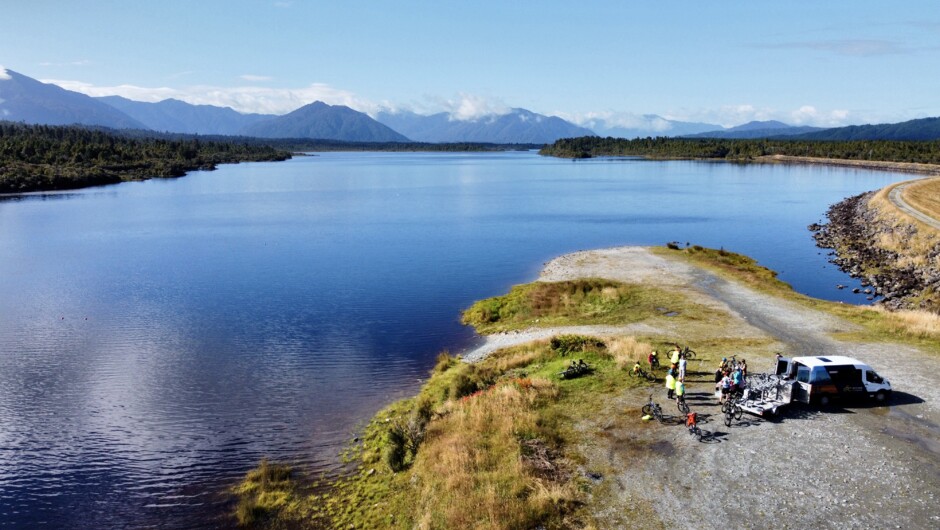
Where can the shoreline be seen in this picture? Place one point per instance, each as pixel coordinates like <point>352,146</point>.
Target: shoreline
<point>878,165</point>
<point>626,466</point>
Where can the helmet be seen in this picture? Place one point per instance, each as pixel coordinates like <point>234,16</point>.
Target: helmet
<point>724,358</point>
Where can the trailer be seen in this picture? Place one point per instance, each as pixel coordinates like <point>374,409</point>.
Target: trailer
<point>813,380</point>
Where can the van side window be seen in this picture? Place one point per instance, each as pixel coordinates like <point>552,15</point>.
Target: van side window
<point>819,375</point>
<point>872,377</point>
<point>802,374</point>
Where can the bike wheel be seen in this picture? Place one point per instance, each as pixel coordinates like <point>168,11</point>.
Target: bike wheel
<point>647,409</point>
<point>689,355</point>
<point>698,434</point>
<point>725,405</point>
<point>728,418</point>
<point>683,407</point>
<point>737,411</point>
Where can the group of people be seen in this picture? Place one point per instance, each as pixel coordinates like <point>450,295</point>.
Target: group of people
<point>730,377</point>
<point>675,375</point>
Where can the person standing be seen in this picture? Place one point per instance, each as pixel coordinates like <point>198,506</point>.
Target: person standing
<point>674,355</point>
<point>682,364</point>
<point>680,391</point>
<point>670,384</point>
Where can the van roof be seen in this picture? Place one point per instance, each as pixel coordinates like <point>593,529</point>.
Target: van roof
<point>827,360</point>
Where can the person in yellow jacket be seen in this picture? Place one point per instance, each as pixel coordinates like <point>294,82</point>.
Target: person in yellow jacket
<point>674,355</point>
<point>670,384</point>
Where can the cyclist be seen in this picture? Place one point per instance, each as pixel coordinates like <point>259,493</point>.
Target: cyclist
<point>636,368</point>
<point>674,355</point>
<point>653,359</point>
<point>670,383</point>
<point>725,386</point>
<point>680,391</point>
<point>682,364</point>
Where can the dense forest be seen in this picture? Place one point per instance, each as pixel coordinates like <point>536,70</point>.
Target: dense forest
<point>743,150</point>
<point>45,157</point>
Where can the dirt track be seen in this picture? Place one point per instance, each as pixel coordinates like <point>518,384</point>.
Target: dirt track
<point>860,467</point>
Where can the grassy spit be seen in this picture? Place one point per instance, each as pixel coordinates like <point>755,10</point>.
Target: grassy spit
<point>496,444</point>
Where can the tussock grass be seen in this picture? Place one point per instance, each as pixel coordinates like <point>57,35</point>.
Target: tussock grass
<point>911,239</point>
<point>577,302</point>
<point>919,323</point>
<point>501,456</point>
<point>925,196</point>
<point>266,491</point>
<point>627,350</point>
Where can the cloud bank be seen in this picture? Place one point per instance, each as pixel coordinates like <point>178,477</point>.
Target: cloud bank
<point>3,74</point>
<point>246,99</point>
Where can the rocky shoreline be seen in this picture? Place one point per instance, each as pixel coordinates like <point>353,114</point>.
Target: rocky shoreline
<point>852,232</point>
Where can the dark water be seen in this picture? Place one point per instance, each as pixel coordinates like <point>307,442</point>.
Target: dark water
<point>157,339</point>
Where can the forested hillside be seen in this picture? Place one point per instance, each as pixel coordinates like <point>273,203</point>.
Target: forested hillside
<point>44,157</point>
<point>733,149</point>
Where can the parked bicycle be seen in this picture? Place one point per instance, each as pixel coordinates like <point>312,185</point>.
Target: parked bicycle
<point>688,353</point>
<point>653,409</point>
<point>575,369</point>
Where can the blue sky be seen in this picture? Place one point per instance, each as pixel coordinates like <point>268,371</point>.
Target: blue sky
<point>806,62</point>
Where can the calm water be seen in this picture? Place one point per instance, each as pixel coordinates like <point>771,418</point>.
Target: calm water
<point>157,339</point>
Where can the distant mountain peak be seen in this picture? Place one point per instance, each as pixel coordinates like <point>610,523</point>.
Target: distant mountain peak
<point>25,99</point>
<point>518,125</point>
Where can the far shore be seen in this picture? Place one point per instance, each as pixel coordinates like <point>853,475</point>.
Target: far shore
<point>900,167</point>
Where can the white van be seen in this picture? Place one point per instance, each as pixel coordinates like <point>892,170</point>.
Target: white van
<point>822,379</point>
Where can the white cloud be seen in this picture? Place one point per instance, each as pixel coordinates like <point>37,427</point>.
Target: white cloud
<point>808,115</point>
<point>252,77</point>
<point>469,107</point>
<point>606,120</point>
<point>3,74</point>
<point>246,99</point>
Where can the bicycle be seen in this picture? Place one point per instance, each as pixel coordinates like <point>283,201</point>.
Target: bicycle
<point>642,373</point>
<point>682,405</point>
<point>735,412</point>
<point>688,353</point>
<point>653,409</point>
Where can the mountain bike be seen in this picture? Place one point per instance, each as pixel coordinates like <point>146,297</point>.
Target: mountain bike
<point>682,405</point>
<point>642,373</point>
<point>653,409</point>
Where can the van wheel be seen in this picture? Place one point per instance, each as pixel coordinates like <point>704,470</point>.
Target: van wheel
<point>881,397</point>
<point>824,401</point>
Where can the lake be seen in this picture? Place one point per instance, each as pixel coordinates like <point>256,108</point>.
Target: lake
<point>157,339</point>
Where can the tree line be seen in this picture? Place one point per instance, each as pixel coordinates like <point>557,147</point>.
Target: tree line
<point>744,150</point>
<point>47,157</point>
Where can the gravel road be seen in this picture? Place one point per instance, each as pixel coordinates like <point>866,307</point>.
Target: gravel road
<point>856,467</point>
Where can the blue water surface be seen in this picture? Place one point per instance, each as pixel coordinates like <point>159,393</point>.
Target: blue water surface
<point>157,339</point>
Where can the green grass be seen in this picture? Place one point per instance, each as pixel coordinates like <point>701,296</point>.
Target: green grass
<point>473,469</point>
<point>579,302</point>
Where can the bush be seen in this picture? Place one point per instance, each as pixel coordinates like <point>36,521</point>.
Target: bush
<point>565,344</point>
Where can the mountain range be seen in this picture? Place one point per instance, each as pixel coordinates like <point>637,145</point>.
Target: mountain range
<point>27,100</point>
<point>516,126</point>
<point>757,129</point>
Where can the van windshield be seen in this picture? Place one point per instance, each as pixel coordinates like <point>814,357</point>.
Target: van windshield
<point>872,377</point>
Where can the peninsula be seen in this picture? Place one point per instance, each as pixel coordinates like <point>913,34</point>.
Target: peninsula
<point>507,442</point>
